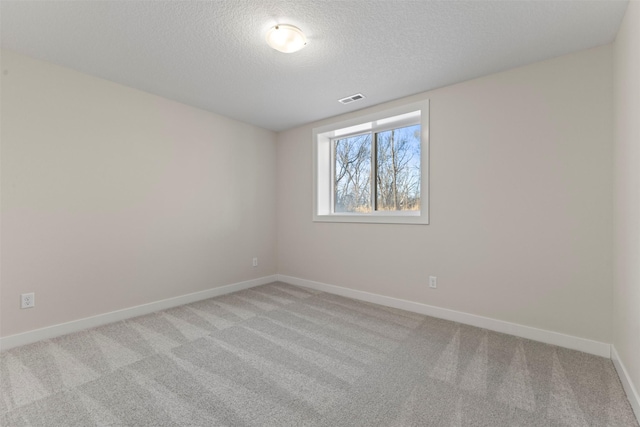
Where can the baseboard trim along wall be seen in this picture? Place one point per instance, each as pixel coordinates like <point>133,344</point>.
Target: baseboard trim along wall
<point>127,313</point>
<point>548,337</point>
<point>627,384</point>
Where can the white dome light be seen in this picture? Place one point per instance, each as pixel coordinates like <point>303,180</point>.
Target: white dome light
<point>286,38</point>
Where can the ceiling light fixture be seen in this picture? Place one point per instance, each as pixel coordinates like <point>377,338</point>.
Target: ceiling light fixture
<point>286,38</point>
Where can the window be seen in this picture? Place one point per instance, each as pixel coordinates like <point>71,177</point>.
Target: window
<point>373,168</point>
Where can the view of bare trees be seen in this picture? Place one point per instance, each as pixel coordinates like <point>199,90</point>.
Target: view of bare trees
<point>398,169</point>
<point>353,174</point>
<point>396,172</point>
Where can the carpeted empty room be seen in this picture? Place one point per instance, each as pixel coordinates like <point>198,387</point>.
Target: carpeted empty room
<point>377,213</point>
<point>279,355</point>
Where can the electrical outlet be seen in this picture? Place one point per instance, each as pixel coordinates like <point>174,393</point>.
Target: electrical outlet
<point>255,261</point>
<point>28,300</point>
<point>433,282</point>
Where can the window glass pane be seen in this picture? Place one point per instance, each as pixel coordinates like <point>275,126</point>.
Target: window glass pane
<point>398,169</point>
<point>352,178</point>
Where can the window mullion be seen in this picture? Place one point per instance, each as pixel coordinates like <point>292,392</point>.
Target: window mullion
<point>332,174</point>
<point>374,172</point>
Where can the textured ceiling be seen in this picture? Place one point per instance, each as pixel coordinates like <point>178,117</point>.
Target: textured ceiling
<point>213,55</point>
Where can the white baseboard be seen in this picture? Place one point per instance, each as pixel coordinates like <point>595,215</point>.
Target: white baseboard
<point>629,388</point>
<point>555,338</point>
<point>127,313</point>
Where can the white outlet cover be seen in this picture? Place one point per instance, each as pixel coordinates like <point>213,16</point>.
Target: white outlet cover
<point>28,300</point>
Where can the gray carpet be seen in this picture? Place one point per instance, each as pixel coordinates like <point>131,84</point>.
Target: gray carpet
<point>278,355</point>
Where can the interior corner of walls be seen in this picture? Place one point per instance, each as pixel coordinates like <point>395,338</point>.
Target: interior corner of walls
<point>627,383</point>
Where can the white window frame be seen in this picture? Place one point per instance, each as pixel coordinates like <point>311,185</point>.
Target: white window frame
<point>323,204</point>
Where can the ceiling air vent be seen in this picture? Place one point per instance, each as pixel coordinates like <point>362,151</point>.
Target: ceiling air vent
<point>352,98</point>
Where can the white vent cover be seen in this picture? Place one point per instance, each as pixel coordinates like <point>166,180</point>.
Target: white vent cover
<point>352,98</point>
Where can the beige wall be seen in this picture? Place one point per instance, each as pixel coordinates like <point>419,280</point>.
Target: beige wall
<point>112,197</point>
<point>521,206</point>
<point>626,289</point>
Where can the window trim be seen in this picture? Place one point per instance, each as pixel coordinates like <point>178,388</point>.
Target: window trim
<point>322,167</point>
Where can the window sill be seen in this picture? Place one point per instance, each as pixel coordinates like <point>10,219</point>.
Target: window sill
<point>404,218</point>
